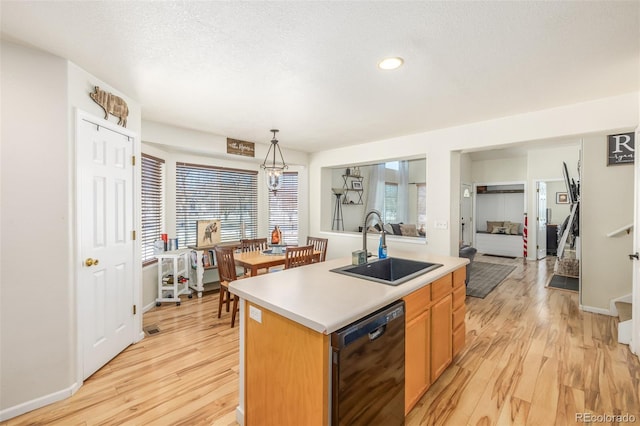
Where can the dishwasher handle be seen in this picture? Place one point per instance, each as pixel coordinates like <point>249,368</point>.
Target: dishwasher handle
<point>378,332</point>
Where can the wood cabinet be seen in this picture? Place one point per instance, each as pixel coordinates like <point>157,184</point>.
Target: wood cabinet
<point>434,331</point>
<point>441,352</point>
<point>459,310</point>
<point>417,346</point>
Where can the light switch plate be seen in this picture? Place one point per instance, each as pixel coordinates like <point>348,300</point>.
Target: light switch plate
<point>441,224</point>
<point>255,314</point>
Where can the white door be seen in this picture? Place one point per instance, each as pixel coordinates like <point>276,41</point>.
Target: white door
<point>106,245</point>
<point>541,221</point>
<point>466,208</point>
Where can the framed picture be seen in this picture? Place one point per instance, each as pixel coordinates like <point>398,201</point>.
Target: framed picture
<point>208,233</point>
<point>562,198</point>
<point>356,184</point>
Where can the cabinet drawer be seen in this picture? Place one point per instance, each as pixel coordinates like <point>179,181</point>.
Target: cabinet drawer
<point>459,275</point>
<point>417,302</point>
<point>458,317</point>
<point>440,287</point>
<point>459,295</point>
<point>458,339</point>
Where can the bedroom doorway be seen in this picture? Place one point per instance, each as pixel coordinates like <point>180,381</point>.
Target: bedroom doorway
<point>541,220</point>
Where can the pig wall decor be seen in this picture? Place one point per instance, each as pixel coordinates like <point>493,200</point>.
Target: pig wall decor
<point>111,104</point>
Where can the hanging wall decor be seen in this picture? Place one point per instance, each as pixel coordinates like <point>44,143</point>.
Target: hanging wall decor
<point>111,104</point>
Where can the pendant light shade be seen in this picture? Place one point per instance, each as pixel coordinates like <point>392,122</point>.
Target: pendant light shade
<point>273,170</point>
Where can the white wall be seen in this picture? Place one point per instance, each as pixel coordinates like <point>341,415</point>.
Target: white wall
<point>559,212</point>
<point>36,325</point>
<point>40,93</point>
<point>440,147</point>
<point>499,170</point>
<point>606,204</point>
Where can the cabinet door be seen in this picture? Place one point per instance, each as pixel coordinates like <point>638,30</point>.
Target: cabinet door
<point>416,355</point>
<point>441,335</point>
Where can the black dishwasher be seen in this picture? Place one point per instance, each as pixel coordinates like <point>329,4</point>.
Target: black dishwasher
<point>368,370</point>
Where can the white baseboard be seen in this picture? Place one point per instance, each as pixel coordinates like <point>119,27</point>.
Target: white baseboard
<point>595,310</point>
<point>149,307</point>
<point>239,416</point>
<point>25,407</point>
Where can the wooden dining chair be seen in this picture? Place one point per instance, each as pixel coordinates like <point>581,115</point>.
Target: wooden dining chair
<point>253,244</point>
<point>319,244</point>
<point>227,272</point>
<point>298,256</point>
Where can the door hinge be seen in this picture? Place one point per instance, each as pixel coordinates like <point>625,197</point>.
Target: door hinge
<point>133,160</point>
<point>134,309</point>
<point>133,235</point>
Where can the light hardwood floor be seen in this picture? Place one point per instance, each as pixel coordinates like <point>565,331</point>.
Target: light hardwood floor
<point>531,358</point>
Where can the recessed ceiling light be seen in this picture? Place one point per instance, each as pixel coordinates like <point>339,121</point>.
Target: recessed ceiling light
<point>390,63</point>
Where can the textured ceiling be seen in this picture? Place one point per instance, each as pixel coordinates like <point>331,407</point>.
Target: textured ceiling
<point>238,69</point>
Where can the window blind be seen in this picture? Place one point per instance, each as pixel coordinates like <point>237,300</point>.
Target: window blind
<point>390,202</point>
<point>152,204</point>
<point>422,203</point>
<point>206,192</point>
<point>283,208</point>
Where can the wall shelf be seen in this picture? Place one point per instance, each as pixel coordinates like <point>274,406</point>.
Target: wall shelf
<point>501,191</point>
<point>347,185</point>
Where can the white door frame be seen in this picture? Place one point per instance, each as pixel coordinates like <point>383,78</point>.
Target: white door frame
<point>77,261</point>
<point>635,323</point>
<point>541,237</point>
<point>470,224</point>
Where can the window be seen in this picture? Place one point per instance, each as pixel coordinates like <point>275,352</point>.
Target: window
<point>283,208</point>
<point>422,204</point>
<point>390,202</point>
<point>205,192</point>
<point>152,205</point>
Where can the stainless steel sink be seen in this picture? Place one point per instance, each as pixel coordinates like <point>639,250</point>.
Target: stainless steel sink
<point>390,271</point>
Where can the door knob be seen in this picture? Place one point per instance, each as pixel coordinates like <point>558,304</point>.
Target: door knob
<point>90,261</point>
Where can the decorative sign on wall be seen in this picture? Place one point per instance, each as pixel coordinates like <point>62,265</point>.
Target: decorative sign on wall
<point>238,147</point>
<point>620,149</point>
<point>111,104</point>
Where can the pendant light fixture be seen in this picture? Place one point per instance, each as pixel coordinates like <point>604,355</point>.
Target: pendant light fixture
<point>273,172</point>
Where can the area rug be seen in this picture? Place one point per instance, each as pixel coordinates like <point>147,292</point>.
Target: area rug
<point>564,283</point>
<point>484,277</point>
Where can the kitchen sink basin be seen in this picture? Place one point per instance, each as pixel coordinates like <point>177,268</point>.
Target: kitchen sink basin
<point>390,271</point>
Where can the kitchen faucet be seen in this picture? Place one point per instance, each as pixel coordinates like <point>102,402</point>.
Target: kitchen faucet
<point>364,232</point>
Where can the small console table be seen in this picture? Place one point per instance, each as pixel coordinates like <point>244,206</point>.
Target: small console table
<point>173,275</point>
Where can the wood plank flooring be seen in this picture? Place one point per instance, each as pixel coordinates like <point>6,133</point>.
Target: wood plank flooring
<point>531,358</point>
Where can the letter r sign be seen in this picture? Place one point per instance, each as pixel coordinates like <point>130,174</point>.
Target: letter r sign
<point>620,149</point>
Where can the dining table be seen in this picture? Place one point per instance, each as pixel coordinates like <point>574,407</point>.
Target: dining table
<point>256,260</point>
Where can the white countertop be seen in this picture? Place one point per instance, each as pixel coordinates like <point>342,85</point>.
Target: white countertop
<point>326,301</point>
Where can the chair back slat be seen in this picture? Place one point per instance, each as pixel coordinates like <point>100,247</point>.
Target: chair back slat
<point>319,244</point>
<point>298,256</point>
<point>255,244</point>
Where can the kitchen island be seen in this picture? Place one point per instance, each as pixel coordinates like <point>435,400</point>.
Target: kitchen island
<point>286,319</point>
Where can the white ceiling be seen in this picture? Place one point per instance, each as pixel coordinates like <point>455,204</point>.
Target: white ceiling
<point>238,69</point>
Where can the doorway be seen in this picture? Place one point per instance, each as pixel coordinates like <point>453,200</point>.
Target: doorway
<point>466,214</point>
<point>107,281</point>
